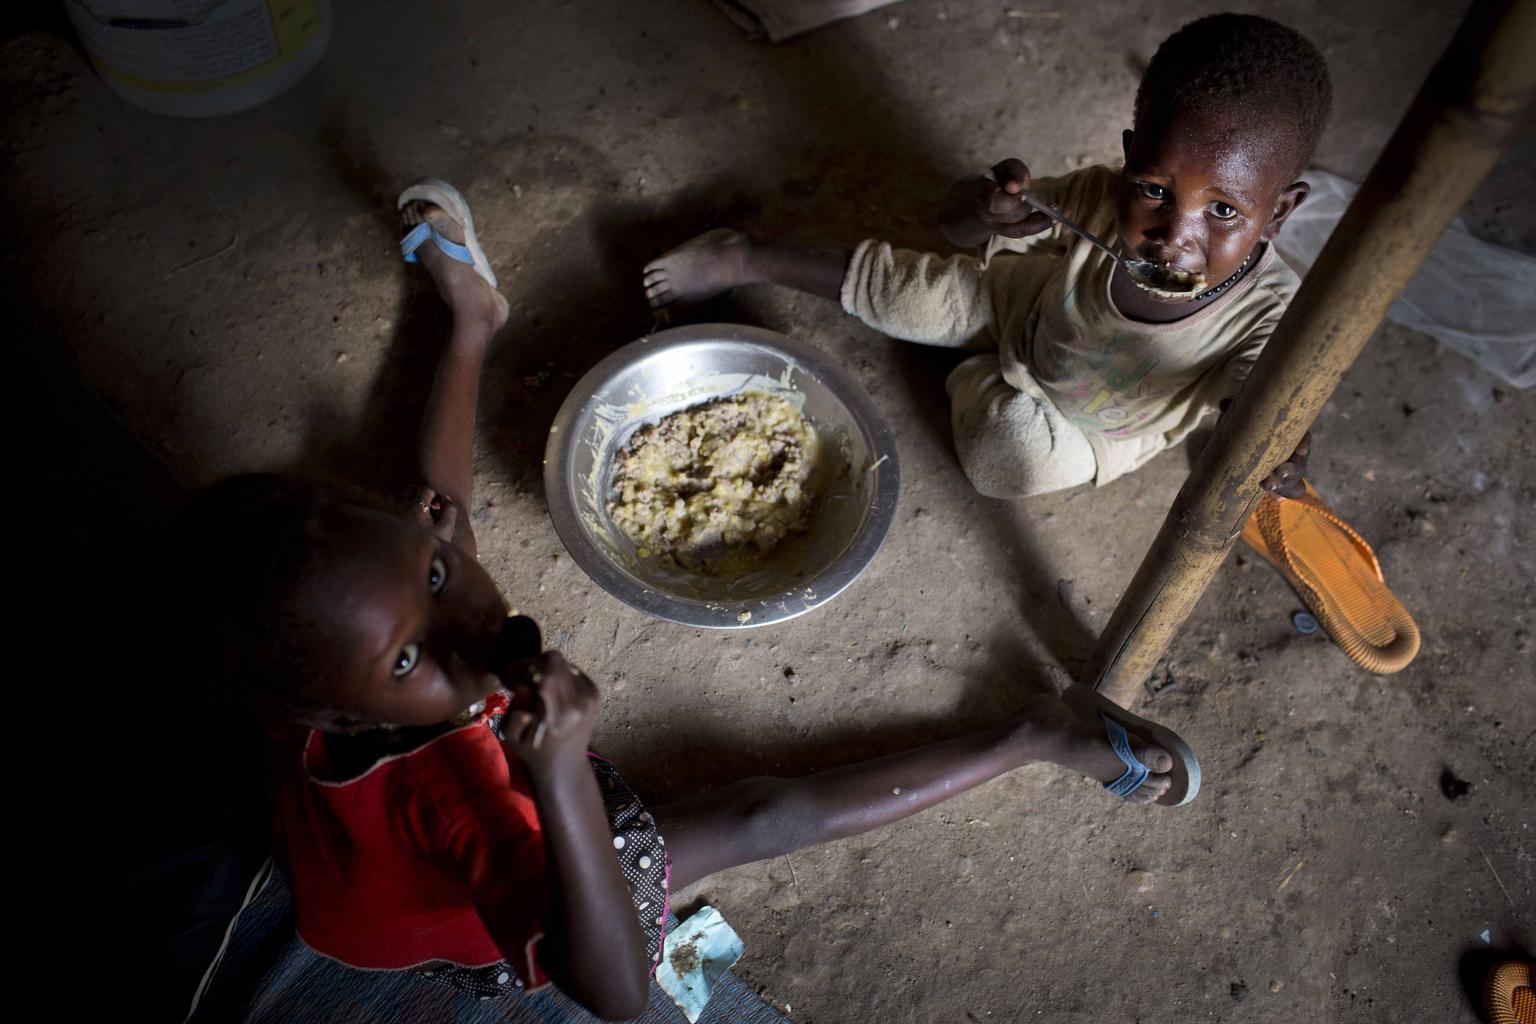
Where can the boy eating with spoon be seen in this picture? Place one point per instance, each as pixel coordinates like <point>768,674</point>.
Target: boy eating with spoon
<point>1085,371</point>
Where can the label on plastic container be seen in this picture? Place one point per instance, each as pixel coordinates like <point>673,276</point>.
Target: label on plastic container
<point>193,45</point>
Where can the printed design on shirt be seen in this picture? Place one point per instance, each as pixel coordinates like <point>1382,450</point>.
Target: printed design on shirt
<point>1110,384</point>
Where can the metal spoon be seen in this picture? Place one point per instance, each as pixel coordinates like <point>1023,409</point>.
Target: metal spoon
<point>1154,277</point>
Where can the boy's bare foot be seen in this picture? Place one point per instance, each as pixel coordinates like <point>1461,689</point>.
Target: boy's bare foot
<point>1054,732</point>
<point>468,295</point>
<point>699,269</point>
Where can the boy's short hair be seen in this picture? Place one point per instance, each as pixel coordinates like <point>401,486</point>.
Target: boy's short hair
<point>1244,62</point>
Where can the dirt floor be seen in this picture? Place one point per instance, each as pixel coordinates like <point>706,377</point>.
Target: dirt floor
<point>231,289</point>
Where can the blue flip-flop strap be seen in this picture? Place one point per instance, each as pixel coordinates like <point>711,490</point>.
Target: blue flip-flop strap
<point>418,235</point>
<point>1135,772</point>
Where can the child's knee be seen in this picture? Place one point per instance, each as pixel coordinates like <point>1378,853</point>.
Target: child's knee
<point>1000,463</point>
<point>1012,444</point>
<point>997,478</point>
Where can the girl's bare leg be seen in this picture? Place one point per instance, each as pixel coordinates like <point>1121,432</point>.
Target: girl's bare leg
<point>448,428</point>
<point>759,818</point>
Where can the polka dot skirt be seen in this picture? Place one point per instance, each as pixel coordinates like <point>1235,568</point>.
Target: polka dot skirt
<point>643,860</point>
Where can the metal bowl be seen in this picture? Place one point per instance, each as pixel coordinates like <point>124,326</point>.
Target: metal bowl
<point>685,366</point>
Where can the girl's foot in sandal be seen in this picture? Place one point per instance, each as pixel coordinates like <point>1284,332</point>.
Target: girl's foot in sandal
<point>440,234</point>
<point>1062,736</point>
<point>1128,735</point>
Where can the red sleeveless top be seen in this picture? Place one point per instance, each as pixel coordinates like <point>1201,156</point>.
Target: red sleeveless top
<point>392,869</point>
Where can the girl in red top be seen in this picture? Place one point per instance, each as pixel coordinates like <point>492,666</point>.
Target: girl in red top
<point>435,808</point>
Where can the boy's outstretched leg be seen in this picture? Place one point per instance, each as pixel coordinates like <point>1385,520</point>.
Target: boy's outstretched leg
<point>759,818</point>
<point>720,260</point>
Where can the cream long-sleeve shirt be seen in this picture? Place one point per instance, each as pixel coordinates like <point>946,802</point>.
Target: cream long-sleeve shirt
<point>1133,388</point>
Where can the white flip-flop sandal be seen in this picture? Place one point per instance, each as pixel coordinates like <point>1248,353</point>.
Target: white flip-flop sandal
<point>447,198</point>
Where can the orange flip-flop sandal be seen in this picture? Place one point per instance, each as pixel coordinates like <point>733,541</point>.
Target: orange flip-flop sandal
<point>1337,575</point>
<point>1509,994</point>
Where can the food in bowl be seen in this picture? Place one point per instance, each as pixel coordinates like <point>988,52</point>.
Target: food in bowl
<point>716,486</point>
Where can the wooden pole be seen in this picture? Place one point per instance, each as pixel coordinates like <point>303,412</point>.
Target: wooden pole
<point>1465,113</point>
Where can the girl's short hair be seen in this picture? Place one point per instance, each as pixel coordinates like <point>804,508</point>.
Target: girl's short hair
<point>245,542</point>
